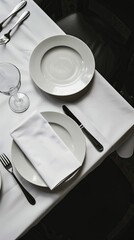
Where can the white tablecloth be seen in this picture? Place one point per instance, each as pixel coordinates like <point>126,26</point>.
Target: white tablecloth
<point>101,109</point>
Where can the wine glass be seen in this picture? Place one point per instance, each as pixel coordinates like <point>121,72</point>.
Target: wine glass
<point>10,82</point>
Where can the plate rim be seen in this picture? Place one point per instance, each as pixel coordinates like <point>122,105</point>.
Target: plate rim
<point>84,147</point>
<point>66,40</point>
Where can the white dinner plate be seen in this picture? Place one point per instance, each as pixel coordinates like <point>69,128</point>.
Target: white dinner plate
<point>69,132</point>
<point>62,65</point>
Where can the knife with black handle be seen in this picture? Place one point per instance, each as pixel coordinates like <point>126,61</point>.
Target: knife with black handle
<point>92,139</point>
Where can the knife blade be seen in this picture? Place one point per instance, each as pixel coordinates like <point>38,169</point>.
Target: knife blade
<point>92,139</point>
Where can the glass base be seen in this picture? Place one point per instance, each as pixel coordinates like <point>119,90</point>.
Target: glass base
<point>19,106</point>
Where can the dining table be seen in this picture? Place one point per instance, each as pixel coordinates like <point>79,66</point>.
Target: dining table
<point>99,107</point>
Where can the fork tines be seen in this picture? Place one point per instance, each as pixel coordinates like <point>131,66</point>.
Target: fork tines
<point>4,160</point>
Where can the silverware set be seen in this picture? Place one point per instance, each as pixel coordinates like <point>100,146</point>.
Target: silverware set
<point>5,38</point>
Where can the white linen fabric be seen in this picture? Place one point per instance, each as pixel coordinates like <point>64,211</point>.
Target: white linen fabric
<point>46,151</point>
<point>101,109</point>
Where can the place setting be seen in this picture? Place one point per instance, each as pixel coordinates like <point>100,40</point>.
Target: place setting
<point>61,66</point>
<point>70,150</point>
<point>49,148</point>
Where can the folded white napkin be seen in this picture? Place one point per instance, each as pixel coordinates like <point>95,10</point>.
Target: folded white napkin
<point>43,147</point>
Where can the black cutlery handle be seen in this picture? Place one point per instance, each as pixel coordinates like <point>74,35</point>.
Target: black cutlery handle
<point>29,197</point>
<point>93,140</point>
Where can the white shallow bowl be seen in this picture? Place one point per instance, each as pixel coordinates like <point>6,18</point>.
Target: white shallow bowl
<point>62,65</point>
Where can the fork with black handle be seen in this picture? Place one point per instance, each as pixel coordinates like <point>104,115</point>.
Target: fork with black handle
<point>7,164</point>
